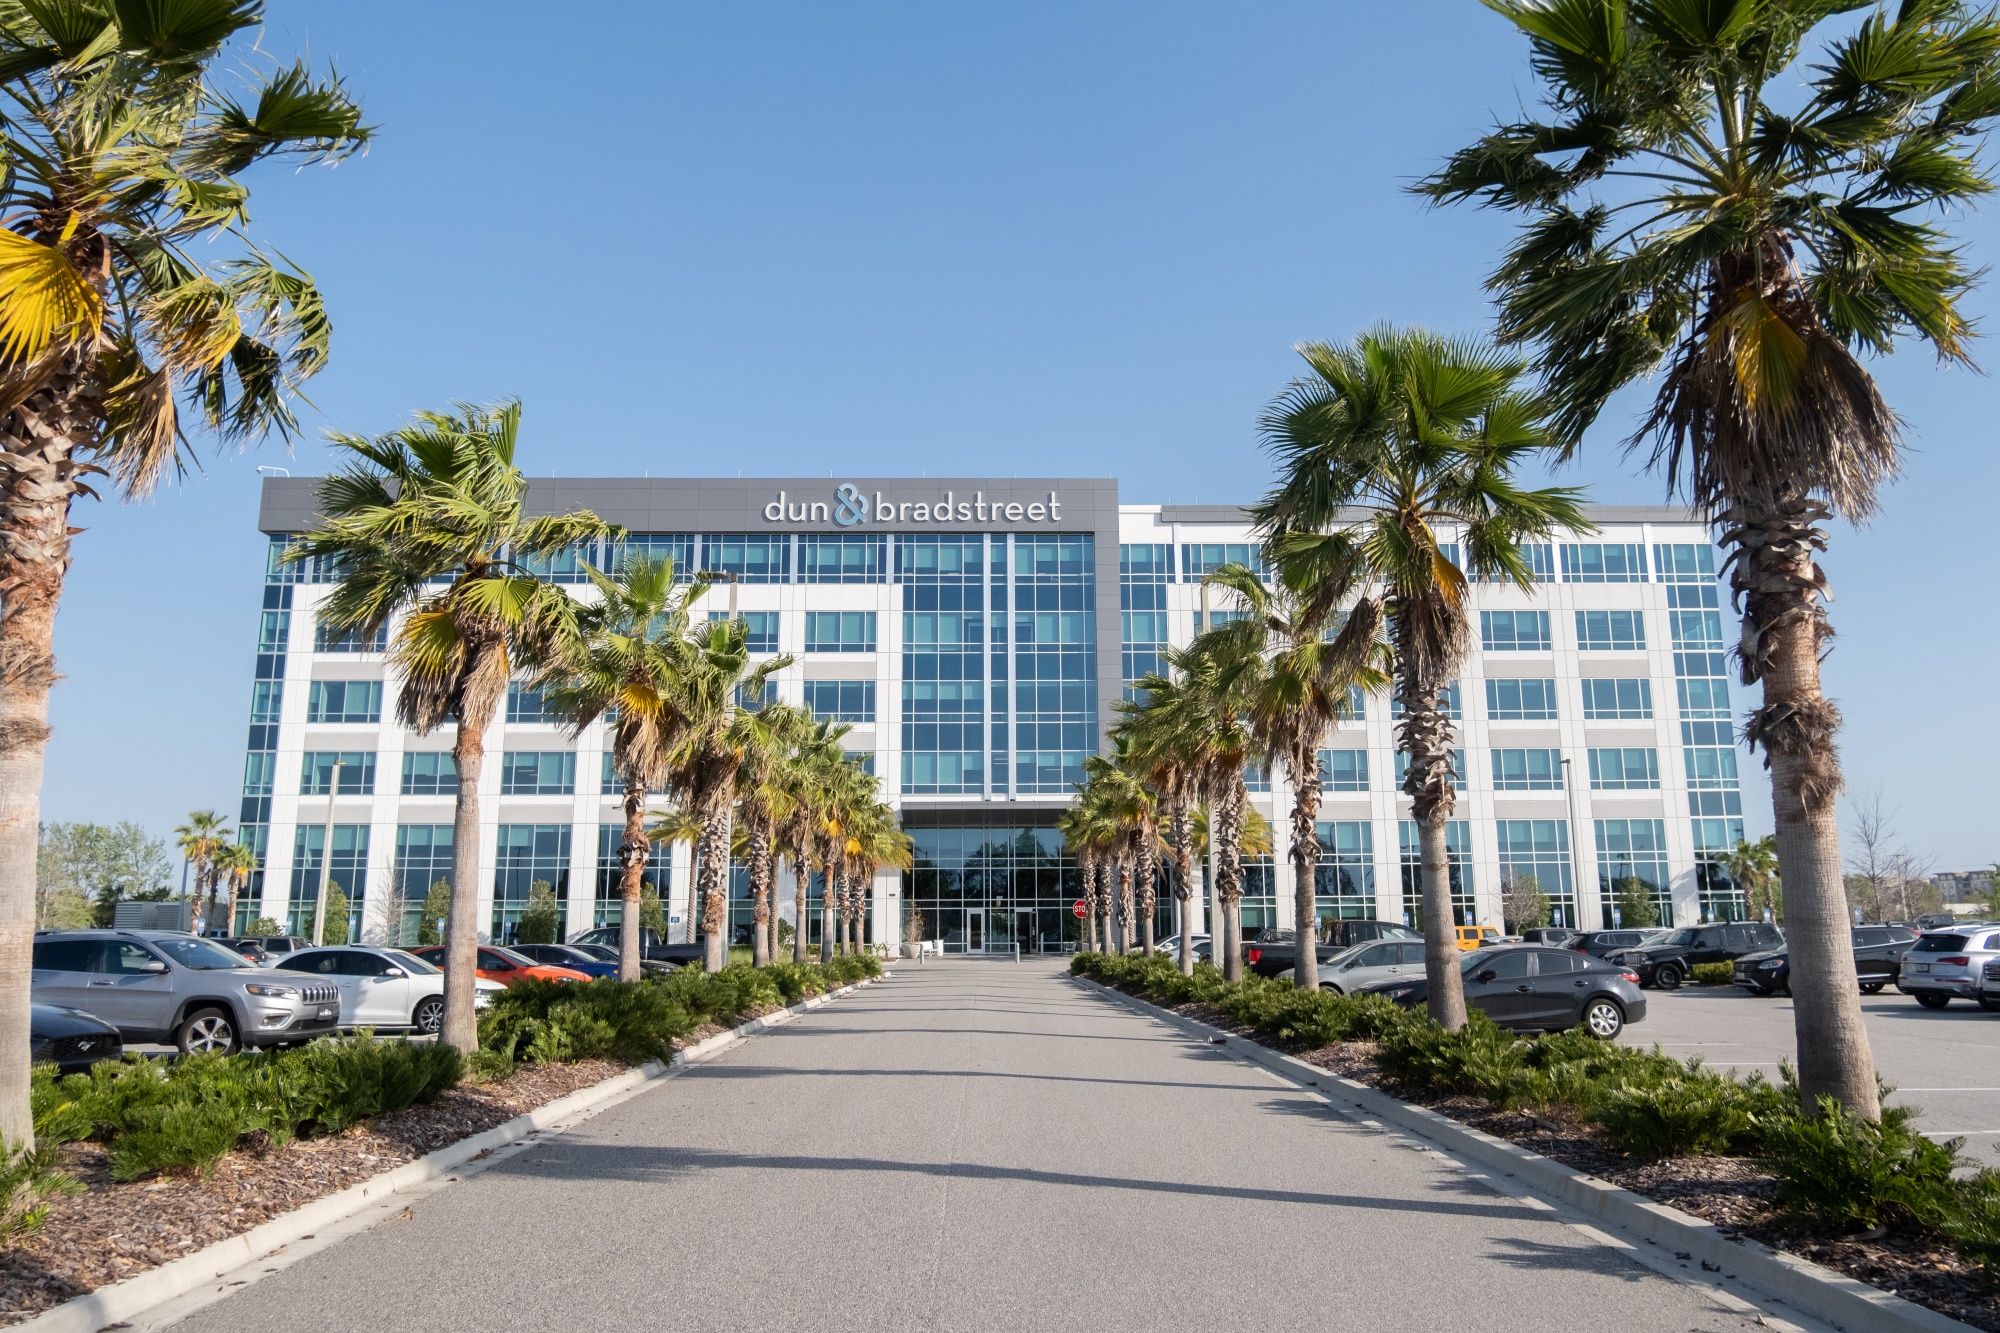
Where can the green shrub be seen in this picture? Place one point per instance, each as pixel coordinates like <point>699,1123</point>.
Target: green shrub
<point>27,1182</point>
<point>1713,974</point>
<point>1478,1058</point>
<point>551,1022</point>
<point>1673,1117</point>
<point>797,981</point>
<point>1839,1171</point>
<point>1972,1219</point>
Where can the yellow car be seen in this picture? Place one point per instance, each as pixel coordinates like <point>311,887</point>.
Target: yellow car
<point>1471,937</point>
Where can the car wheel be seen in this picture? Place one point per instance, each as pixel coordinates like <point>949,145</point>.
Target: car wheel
<point>1331,989</point>
<point>1990,1003</point>
<point>1603,1018</point>
<point>1668,976</point>
<point>1871,988</point>
<point>1930,999</point>
<point>429,1016</point>
<point>205,1031</point>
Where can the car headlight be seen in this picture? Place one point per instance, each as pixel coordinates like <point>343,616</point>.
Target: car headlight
<point>272,992</point>
<point>1770,963</point>
<point>1399,992</point>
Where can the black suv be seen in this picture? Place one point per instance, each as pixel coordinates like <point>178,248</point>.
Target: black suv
<point>1275,950</point>
<point>1878,953</point>
<point>1666,962</point>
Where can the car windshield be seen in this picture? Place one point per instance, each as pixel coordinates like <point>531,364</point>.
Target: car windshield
<point>409,962</point>
<point>518,960</point>
<point>1939,944</point>
<point>603,953</point>
<point>1677,937</point>
<point>201,955</point>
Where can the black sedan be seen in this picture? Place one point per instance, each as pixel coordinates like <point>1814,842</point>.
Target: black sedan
<point>1533,988</point>
<point>70,1039</point>
<point>1878,952</point>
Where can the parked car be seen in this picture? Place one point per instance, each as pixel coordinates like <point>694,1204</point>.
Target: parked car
<point>170,986</point>
<point>1603,943</point>
<point>1947,965</point>
<point>1666,962</point>
<point>1936,921</point>
<point>70,1039</point>
<point>606,953</point>
<point>1171,947</point>
<point>385,989</point>
<point>1364,965</point>
<point>503,965</point>
<point>1536,988</point>
<point>651,945</point>
<point>1557,937</point>
<point>1275,950</point>
<point>1472,937</point>
<point>1877,952</point>
<point>566,955</point>
<point>275,948</point>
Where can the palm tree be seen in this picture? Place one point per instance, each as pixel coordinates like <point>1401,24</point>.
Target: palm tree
<point>708,694</point>
<point>426,526</point>
<point>201,840</point>
<point>1690,212</point>
<point>235,864</point>
<point>1122,800</point>
<point>1754,866</point>
<point>1075,825</point>
<point>1302,657</point>
<point>1160,749</point>
<point>125,160</point>
<point>808,781</point>
<point>1387,441</point>
<point>629,646</point>
<point>1220,745</point>
<point>874,841</point>
<point>771,738</point>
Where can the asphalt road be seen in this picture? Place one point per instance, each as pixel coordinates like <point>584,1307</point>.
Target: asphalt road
<point>1945,1062</point>
<point>970,1146</point>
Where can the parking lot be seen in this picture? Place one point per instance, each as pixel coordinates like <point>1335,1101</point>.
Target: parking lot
<point>1946,1062</point>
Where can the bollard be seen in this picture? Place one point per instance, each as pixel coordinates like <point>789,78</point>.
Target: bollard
<point>1017,951</point>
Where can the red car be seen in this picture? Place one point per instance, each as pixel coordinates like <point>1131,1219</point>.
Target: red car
<point>503,965</point>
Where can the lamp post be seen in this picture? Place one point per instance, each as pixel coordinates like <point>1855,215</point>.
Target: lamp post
<point>326,857</point>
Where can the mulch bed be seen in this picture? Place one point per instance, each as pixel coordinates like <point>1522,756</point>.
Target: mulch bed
<point>1734,1193</point>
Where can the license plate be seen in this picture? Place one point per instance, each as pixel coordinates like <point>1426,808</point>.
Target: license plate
<point>326,1013</point>
<point>1923,967</point>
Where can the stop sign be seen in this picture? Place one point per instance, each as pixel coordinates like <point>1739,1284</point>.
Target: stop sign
<point>1077,909</point>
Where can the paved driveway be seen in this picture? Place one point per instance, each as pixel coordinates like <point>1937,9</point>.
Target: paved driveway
<point>1946,1062</point>
<point>971,1146</point>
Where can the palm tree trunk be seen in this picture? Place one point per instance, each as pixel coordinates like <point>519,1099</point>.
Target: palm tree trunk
<point>713,884</point>
<point>1228,834</point>
<point>1124,902</point>
<point>802,890</point>
<point>829,901</point>
<point>1148,873</point>
<point>1107,904</point>
<point>1425,735</point>
<point>760,896</point>
<point>37,481</point>
<point>1180,821</point>
<point>1779,583</point>
<point>485,680</point>
<point>1303,766</point>
<point>633,853</point>
<point>1089,867</point>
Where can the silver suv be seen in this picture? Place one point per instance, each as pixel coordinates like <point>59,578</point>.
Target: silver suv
<point>173,987</point>
<point>1947,965</point>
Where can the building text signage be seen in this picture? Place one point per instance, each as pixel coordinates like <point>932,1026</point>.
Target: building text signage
<point>851,505</point>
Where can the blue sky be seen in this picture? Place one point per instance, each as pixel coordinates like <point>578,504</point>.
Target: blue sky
<point>871,238</point>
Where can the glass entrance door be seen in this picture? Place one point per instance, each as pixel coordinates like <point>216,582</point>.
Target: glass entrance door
<point>975,930</point>
<point>1000,930</point>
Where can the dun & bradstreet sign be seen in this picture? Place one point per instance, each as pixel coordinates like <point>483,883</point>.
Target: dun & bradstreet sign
<point>850,505</point>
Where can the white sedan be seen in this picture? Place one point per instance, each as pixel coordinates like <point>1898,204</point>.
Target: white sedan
<point>384,989</point>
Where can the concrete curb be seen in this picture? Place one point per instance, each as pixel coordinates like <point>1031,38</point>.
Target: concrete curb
<point>135,1296</point>
<point>1786,1279</point>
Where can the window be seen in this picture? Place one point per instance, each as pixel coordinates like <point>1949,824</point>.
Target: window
<point>759,699</point>
<point>1694,619</point>
<point>564,566</point>
<point>1343,770</point>
<point>1521,700</point>
<point>1704,697</point>
<point>1710,753</point>
<point>526,704</point>
<point>1449,696</point>
<point>1634,849</point>
<point>344,701</point>
<point>1154,561</point>
<point>944,662</point>
<point>1541,558</point>
<point>423,859</point>
<point>1610,631</point>
<point>1604,564</point>
<point>1054,661</point>
<point>1458,856</point>
<point>843,557</point>
<point>1457,769</point>
<point>357,772</point>
<point>538,773</point>
<point>841,631</point>
<point>527,855</point>
<point>1344,881</point>
<point>329,639</point>
<point>347,872</point>
<point>752,557</point>
<point>1625,770</point>
<point>1143,574</point>
<point>1539,848</point>
<point>841,700</point>
<point>1514,631</point>
<point>1619,700</point>
<point>1198,558</point>
<point>608,908</point>
<point>429,773</point>
<point>657,546</point>
<point>1684,563</point>
<point>762,627</point>
<point>1218,618</point>
<point>1527,770</point>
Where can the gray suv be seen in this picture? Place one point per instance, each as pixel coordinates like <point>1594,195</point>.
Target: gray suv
<point>173,987</point>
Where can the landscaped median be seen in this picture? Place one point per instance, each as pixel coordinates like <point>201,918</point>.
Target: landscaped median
<point>146,1161</point>
<point>1878,1202</point>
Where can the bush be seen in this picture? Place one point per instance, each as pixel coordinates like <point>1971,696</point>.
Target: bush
<point>1972,1219</point>
<point>1694,1113</point>
<point>555,1022</point>
<point>27,1181</point>
<point>1713,974</point>
<point>1839,1171</point>
<point>541,920</point>
<point>1478,1058</point>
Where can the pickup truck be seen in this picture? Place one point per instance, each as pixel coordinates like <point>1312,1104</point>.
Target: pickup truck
<point>651,946</point>
<point>1275,950</point>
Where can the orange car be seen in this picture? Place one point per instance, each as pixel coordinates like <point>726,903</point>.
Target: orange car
<point>503,965</point>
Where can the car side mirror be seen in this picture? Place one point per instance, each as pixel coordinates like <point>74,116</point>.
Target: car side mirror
<point>1487,974</point>
<point>156,967</point>
<point>395,972</point>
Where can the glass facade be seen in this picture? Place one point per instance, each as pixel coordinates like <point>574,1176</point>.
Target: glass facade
<point>1458,855</point>
<point>984,885</point>
<point>608,907</point>
<point>1708,754</point>
<point>527,855</point>
<point>1055,661</point>
<point>1539,847</point>
<point>943,669</point>
<point>423,859</point>
<point>1144,572</point>
<point>1630,849</point>
<point>349,873</point>
<point>1344,881</point>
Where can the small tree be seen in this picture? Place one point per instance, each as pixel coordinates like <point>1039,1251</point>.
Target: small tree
<point>541,919</point>
<point>333,927</point>
<point>391,932</point>
<point>437,906</point>
<point>651,915</point>
<point>1524,904</point>
<point>913,927</point>
<point>264,928</point>
<point>1636,908</point>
